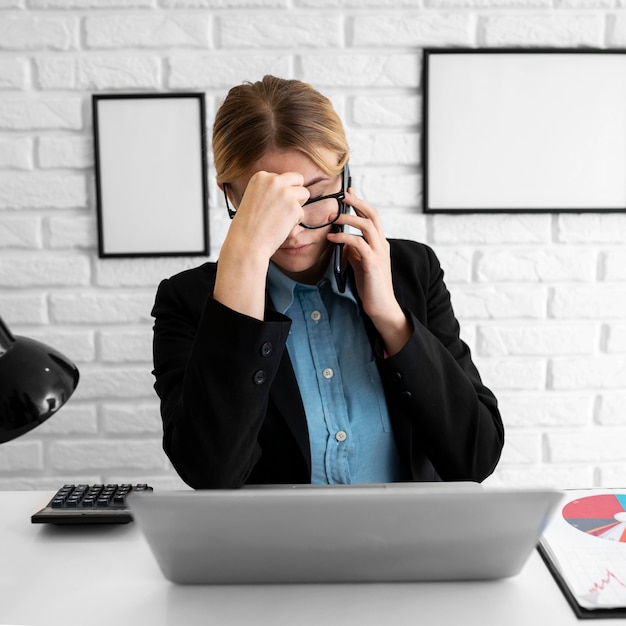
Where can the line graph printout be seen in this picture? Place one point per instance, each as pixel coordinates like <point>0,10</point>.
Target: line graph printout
<point>586,542</point>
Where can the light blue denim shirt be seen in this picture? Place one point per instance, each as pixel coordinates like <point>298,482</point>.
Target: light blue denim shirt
<point>346,411</point>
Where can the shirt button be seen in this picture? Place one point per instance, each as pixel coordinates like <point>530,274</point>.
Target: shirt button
<point>328,373</point>
<point>259,377</point>
<point>316,316</point>
<point>341,436</point>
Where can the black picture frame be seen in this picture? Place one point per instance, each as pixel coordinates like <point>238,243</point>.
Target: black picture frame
<point>518,130</point>
<point>151,174</point>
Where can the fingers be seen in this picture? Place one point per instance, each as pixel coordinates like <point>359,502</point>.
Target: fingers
<point>286,187</point>
<point>275,198</point>
<point>294,181</point>
<point>365,219</point>
<point>363,209</point>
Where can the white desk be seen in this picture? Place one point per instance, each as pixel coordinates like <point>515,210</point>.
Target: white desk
<point>106,575</point>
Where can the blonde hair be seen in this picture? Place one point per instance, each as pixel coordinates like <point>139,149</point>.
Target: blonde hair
<point>275,113</point>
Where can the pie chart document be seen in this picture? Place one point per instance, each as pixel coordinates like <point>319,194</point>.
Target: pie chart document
<point>584,545</point>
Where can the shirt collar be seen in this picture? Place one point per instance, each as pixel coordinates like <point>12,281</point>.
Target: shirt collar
<point>282,288</point>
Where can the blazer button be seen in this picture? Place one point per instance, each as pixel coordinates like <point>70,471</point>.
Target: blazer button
<point>407,394</point>
<point>259,377</point>
<point>266,349</point>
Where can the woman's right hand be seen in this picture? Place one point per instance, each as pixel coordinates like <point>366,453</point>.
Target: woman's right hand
<point>270,208</point>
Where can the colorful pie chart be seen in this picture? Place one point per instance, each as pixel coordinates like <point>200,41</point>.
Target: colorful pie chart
<point>602,516</point>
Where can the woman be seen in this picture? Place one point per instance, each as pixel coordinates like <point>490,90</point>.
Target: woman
<point>267,371</point>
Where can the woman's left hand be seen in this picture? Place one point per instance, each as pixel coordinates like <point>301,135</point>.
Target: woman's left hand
<point>370,259</point>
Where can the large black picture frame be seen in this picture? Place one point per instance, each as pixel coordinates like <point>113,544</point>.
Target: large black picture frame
<point>524,130</point>
<point>151,174</point>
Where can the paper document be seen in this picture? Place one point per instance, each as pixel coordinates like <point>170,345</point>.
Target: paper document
<point>585,543</point>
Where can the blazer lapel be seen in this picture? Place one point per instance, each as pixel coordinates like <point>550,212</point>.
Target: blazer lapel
<point>286,397</point>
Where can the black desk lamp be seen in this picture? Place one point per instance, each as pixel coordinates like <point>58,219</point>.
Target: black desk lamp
<point>35,382</point>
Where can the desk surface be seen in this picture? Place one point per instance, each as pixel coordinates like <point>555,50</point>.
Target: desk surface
<point>107,575</point>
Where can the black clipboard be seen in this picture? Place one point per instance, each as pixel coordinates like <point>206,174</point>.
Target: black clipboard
<point>580,612</point>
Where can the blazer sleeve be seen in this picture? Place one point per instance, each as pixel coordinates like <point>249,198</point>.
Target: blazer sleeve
<point>213,369</point>
<point>433,388</point>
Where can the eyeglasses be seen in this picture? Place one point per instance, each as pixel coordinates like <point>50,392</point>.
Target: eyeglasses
<point>318,212</point>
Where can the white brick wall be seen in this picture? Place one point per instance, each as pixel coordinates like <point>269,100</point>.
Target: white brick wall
<point>541,298</point>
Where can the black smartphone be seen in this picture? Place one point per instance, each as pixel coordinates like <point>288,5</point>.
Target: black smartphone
<point>338,266</point>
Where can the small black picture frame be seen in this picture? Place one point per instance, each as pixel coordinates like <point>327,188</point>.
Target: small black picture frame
<point>151,174</point>
<point>524,130</point>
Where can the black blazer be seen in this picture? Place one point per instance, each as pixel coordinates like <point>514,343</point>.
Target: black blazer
<point>232,413</point>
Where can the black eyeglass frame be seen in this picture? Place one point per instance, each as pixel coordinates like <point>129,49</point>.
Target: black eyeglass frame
<point>339,196</point>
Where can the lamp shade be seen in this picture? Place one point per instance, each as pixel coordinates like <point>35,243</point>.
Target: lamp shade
<point>35,382</point>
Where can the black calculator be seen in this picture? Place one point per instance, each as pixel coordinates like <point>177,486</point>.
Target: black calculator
<point>89,504</point>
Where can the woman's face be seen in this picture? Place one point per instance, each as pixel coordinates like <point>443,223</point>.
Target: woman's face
<point>305,254</point>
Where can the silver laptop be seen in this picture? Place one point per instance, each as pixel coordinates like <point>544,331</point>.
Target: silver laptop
<point>365,533</point>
